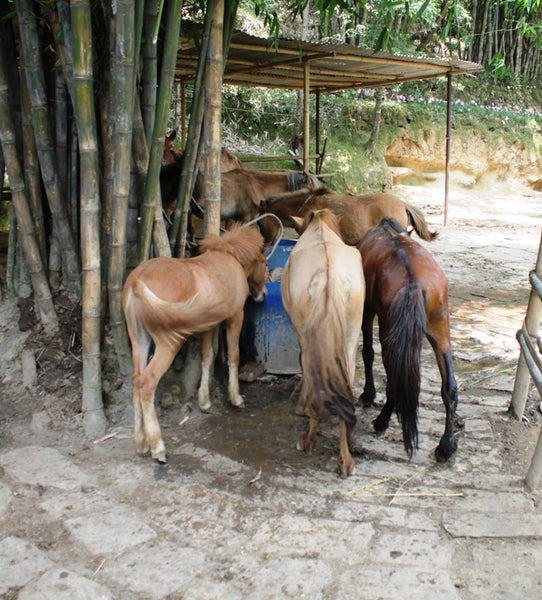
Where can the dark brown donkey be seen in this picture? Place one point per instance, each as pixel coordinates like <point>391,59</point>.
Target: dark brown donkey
<point>408,292</point>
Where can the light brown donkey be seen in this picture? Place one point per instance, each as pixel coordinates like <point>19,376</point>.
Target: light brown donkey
<point>323,291</point>
<point>357,214</point>
<point>166,300</point>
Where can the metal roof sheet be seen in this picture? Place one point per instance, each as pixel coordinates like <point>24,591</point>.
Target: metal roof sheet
<point>265,62</point>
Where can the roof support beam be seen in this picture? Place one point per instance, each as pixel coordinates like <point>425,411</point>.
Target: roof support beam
<point>306,115</point>
<point>448,140</point>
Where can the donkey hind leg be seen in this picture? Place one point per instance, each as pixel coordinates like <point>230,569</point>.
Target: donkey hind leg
<point>308,439</point>
<point>448,444</point>
<point>148,380</point>
<point>381,422</point>
<point>233,330</point>
<point>345,464</point>
<point>207,356</point>
<point>368,395</point>
<point>140,353</point>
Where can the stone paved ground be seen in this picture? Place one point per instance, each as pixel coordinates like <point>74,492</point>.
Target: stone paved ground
<point>237,513</point>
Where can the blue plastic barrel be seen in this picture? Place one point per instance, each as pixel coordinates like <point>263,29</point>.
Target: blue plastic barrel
<point>268,335</point>
<point>280,255</point>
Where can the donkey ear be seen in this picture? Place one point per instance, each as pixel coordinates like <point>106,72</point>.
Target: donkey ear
<point>297,223</point>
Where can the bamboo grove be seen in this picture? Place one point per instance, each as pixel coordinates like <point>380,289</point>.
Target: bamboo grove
<point>85,94</point>
<point>85,90</point>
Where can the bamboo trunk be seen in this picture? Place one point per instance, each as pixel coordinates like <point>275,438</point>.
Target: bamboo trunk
<point>31,62</point>
<point>61,147</point>
<point>59,19</point>
<point>43,299</point>
<point>124,91</point>
<point>12,254</point>
<point>94,421</point>
<point>211,124</point>
<point>192,151</point>
<point>152,195</point>
<point>149,75</point>
<point>32,173</point>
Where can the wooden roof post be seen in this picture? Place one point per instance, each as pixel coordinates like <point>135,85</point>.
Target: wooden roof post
<point>306,116</point>
<point>448,139</point>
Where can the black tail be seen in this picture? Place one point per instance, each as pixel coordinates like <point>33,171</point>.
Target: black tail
<point>401,353</point>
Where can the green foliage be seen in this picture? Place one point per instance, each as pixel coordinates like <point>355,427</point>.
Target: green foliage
<point>497,67</point>
<point>249,111</point>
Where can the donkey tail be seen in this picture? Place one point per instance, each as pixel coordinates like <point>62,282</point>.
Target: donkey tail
<point>330,393</point>
<point>417,220</point>
<point>325,381</point>
<point>401,350</point>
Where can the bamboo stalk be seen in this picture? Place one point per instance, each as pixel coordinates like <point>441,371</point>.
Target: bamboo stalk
<point>24,281</point>
<point>191,157</point>
<point>124,91</point>
<point>149,76</point>
<point>61,146</point>
<point>94,421</point>
<point>12,254</point>
<point>211,124</point>
<point>108,169</point>
<point>195,148</point>
<point>31,62</point>
<point>54,263</point>
<point>31,172</point>
<point>58,15</point>
<point>152,195</point>
<point>141,159</point>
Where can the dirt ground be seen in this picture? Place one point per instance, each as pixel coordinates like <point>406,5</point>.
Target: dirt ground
<point>486,250</point>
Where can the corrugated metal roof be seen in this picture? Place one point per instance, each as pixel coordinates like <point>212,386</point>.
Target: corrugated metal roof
<point>263,62</point>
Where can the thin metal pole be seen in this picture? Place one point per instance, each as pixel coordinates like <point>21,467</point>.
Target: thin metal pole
<point>532,322</point>
<point>448,140</point>
<point>535,470</point>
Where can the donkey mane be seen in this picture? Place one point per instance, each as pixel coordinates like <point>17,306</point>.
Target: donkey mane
<point>243,243</point>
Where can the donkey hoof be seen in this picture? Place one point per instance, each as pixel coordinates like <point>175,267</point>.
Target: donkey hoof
<point>345,468</point>
<point>238,402</point>
<point>205,407</point>
<point>444,451</point>
<point>367,400</point>
<point>142,449</point>
<point>380,425</point>
<point>160,456</point>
